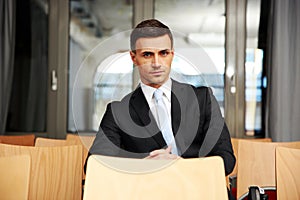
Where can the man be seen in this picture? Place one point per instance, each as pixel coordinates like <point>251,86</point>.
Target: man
<point>192,126</point>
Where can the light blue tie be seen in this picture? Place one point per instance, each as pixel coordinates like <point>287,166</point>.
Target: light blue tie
<point>164,121</point>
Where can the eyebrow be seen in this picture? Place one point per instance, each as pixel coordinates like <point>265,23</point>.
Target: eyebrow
<point>149,51</point>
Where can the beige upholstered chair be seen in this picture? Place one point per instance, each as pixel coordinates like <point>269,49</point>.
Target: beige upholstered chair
<point>14,173</point>
<point>125,178</point>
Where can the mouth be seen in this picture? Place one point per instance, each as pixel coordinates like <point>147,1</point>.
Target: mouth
<point>157,73</point>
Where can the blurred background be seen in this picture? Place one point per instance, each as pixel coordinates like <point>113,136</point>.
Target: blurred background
<point>64,60</point>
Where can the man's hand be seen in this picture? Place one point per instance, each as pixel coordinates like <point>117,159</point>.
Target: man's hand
<point>162,154</point>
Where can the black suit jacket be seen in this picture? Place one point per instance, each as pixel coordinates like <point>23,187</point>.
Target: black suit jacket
<point>128,129</point>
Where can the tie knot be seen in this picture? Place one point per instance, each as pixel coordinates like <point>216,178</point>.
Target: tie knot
<point>158,94</point>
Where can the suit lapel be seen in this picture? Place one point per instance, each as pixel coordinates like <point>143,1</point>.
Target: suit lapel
<point>178,110</point>
<point>140,107</point>
<point>175,113</point>
<point>181,108</point>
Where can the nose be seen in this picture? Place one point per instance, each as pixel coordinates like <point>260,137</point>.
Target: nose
<point>155,61</point>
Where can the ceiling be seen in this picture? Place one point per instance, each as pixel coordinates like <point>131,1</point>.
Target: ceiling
<point>202,20</point>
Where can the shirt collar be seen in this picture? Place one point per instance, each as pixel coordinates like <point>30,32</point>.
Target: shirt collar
<point>166,88</point>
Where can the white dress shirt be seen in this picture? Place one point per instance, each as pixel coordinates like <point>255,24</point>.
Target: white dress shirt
<point>148,92</point>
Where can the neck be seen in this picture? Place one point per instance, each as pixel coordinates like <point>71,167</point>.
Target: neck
<point>154,85</point>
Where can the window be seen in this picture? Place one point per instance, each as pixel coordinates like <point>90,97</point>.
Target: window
<point>98,32</point>
<point>253,72</point>
<point>200,38</point>
<point>28,102</point>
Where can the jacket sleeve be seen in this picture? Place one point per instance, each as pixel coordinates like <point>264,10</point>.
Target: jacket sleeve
<point>108,139</point>
<point>217,133</point>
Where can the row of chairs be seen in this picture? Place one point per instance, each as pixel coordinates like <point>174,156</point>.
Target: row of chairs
<point>56,167</point>
<point>205,177</point>
<point>260,163</point>
<point>31,140</point>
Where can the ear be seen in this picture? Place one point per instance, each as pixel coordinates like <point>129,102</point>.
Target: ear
<point>172,53</point>
<point>133,56</point>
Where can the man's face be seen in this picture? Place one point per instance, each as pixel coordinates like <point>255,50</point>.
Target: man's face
<point>153,57</point>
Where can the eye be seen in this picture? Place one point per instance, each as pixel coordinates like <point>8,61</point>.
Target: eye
<point>164,53</point>
<point>147,54</point>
